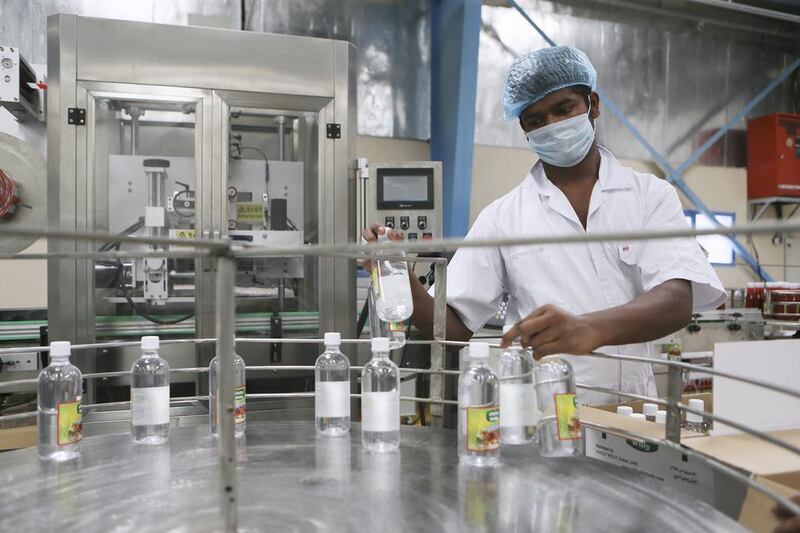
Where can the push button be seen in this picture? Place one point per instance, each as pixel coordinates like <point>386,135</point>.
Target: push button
<point>422,223</point>
<point>427,236</point>
<point>389,222</point>
<point>412,236</point>
<point>405,223</point>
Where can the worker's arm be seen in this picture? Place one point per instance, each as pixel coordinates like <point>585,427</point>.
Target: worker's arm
<point>658,312</point>
<point>423,302</point>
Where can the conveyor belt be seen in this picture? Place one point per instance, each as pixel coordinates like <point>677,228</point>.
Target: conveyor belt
<point>289,480</point>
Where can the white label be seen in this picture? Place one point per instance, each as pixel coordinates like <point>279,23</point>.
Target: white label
<point>380,411</point>
<point>332,399</point>
<point>517,405</point>
<point>150,406</point>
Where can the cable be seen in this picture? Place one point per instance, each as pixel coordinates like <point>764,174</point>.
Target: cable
<point>149,317</point>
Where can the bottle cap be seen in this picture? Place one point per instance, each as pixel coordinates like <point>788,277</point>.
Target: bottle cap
<point>639,416</point>
<point>624,410</point>
<point>380,344</point>
<point>60,349</point>
<point>150,343</point>
<point>479,350</point>
<point>333,338</point>
<point>661,416</point>
<point>698,404</point>
<point>649,409</point>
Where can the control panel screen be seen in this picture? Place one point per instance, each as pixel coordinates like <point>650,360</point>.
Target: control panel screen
<point>405,188</point>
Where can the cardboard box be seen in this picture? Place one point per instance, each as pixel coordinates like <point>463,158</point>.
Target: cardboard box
<point>771,465</point>
<point>19,437</point>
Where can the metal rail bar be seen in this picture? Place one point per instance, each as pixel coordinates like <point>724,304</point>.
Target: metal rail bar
<point>703,369</point>
<point>439,245</point>
<point>226,331</point>
<point>750,10</point>
<point>101,236</point>
<point>109,255</point>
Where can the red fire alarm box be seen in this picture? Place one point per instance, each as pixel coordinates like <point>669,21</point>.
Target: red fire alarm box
<point>773,156</point>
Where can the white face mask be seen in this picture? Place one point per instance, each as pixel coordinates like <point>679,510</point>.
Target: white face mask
<point>564,143</point>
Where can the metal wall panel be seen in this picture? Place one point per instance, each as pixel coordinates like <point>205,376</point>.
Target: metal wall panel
<point>677,85</point>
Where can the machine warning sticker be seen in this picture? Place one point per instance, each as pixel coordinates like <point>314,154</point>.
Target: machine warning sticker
<point>483,428</point>
<point>182,234</point>
<point>70,428</point>
<point>569,425</point>
<point>250,212</point>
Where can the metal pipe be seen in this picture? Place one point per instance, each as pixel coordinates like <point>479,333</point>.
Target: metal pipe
<point>226,326</point>
<point>437,349</point>
<point>363,179</point>
<point>281,121</point>
<point>134,112</point>
<point>107,255</point>
<point>750,10</point>
<point>373,250</point>
<point>674,390</point>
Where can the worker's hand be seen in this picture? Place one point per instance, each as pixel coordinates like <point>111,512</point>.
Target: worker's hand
<point>371,235</point>
<point>550,330</point>
<point>790,523</point>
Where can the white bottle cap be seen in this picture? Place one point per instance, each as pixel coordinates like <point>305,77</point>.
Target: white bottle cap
<point>639,416</point>
<point>150,343</point>
<point>661,416</point>
<point>479,350</point>
<point>649,409</point>
<point>333,338</point>
<point>698,404</point>
<point>380,344</point>
<point>624,410</point>
<point>60,349</point>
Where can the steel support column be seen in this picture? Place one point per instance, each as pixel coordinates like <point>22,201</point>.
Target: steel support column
<point>455,30</point>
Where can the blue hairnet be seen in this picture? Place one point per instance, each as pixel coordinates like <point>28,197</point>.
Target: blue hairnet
<point>545,71</point>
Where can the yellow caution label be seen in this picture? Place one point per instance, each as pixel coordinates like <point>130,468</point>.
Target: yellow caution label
<point>183,234</point>
<point>250,212</point>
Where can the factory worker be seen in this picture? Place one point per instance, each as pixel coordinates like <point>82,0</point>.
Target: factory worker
<point>575,298</point>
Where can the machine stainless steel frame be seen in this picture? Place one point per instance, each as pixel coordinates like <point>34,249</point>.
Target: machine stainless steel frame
<point>214,71</point>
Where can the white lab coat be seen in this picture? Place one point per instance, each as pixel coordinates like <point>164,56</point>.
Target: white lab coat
<point>586,277</point>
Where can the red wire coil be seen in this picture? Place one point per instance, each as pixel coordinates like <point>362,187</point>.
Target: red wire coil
<point>9,195</point>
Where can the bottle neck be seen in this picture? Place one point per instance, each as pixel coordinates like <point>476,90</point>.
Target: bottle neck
<point>479,363</point>
<point>59,361</point>
<point>380,355</point>
<point>149,353</point>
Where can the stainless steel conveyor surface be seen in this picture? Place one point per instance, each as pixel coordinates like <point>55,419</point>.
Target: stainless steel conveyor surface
<point>290,480</point>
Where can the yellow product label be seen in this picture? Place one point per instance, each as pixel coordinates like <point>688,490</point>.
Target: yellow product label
<point>250,212</point>
<point>70,427</point>
<point>239,405</point>
<point>376,286</point>
<point>483,428</point>
<point>397,326</point>
<point>569,425</point>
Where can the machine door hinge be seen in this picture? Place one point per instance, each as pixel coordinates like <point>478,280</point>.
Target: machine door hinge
<point>76,116</point>
<point>334,130</point>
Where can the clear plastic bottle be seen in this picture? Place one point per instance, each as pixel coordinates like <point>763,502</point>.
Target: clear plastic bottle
<point>696,422</point>
<point>517,396</point>
<point>332,389</point>
<point>380,400</point>
<point>150,395</point>
<point>239,395</point>
<point>392,288</point>
<point>60,426</point>
<point>661,416</point>
<point>394,331</point>
<point>478,410</point>
<point>559,429</point>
